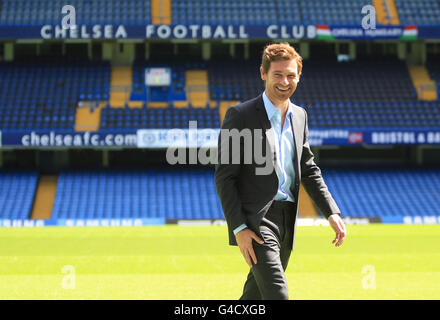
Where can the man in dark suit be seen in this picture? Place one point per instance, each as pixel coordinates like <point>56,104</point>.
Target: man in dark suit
<point>260,200</point>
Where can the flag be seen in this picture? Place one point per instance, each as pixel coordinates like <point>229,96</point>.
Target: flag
<point>323,32</point>
<point>410,33</point>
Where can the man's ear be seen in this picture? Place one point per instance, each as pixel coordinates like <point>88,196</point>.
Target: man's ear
<point>262,74</point>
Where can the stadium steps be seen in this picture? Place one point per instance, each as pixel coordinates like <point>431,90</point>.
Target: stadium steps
<point>426,88</point>
<point>161,11</point>
<point>135,104</point>
<point>372,192</point>
<point>160,105</point>
<point>306,205</point>
<point>386,12</point>
<point>180,104</point>
<point>120,84</point>
<point>197,88</point>
<point>88,118</point>
<point>44,197</point>
<point>395,20</point>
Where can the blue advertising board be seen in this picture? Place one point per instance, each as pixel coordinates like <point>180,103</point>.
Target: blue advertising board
<point>204,137</point>
<point>232,31</point>
<point>111,222</point>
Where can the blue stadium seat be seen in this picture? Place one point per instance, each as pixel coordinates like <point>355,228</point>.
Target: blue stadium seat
<point>191,193</point>
<point>44,93</point>
<point>372,192</point>
<point>150,118</point>
<point>168,193</point>
<point>17,194</point>
<point>420,12</point>
<point>23,12</point>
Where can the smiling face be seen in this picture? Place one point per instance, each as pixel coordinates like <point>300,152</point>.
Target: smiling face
<point>281,80</point>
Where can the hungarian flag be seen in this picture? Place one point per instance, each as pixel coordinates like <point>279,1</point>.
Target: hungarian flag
<point>410,33</point>
<point>323,32</point>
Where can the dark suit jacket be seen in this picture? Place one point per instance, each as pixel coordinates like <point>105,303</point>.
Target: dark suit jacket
<point>246,196</point>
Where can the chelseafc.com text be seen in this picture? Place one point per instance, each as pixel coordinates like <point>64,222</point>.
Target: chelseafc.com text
<point>52,139</point>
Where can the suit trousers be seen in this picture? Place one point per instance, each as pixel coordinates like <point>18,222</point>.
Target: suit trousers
<point>266,279</point>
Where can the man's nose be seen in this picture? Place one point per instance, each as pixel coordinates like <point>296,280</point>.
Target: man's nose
<point>284,81</point>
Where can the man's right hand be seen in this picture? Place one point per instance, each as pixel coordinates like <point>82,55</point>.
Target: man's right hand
<point>244,240</point>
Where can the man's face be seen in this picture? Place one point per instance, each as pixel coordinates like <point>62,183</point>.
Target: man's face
<point>281,80</point>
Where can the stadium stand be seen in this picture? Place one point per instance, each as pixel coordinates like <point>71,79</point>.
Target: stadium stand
<point>321,81</point>
<point>244,85</point>
<point>44,93</point>
<point>375,115</point>
<point>433,67</point>
<point>373,192</point>
<point>336,96</point>
<point>386,12</point>
<point>170,193</point>
<point>51,102</point>
<point>120,84</point>
<point>53,93</point>
<point>226,12</point>
<point>161,11</point>
<point>159,118</point>
<point>178,82</point>
<point>23,12</point>
<point>425,87</point>
<point>142,12</point>
<point>17,193</point>
<point>421,12</point>
<point>191,194</point>
<point>267,12</point>
<point>339,12</point>
<point>353,101</point>
<point>381,81</point>
<point>172,108</point>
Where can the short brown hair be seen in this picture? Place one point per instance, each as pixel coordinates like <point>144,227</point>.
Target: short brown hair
<point>277,52</point>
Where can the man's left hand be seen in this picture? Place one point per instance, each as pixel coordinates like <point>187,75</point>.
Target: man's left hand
<point>338,226</point>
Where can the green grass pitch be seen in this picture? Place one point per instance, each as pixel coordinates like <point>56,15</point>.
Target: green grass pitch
<point>176,262</point>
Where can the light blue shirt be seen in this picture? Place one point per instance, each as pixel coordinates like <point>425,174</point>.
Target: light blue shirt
<point>284,149</point>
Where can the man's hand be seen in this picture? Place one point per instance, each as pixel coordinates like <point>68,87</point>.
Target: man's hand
<point>338,226</point>
<point>244,241</point>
